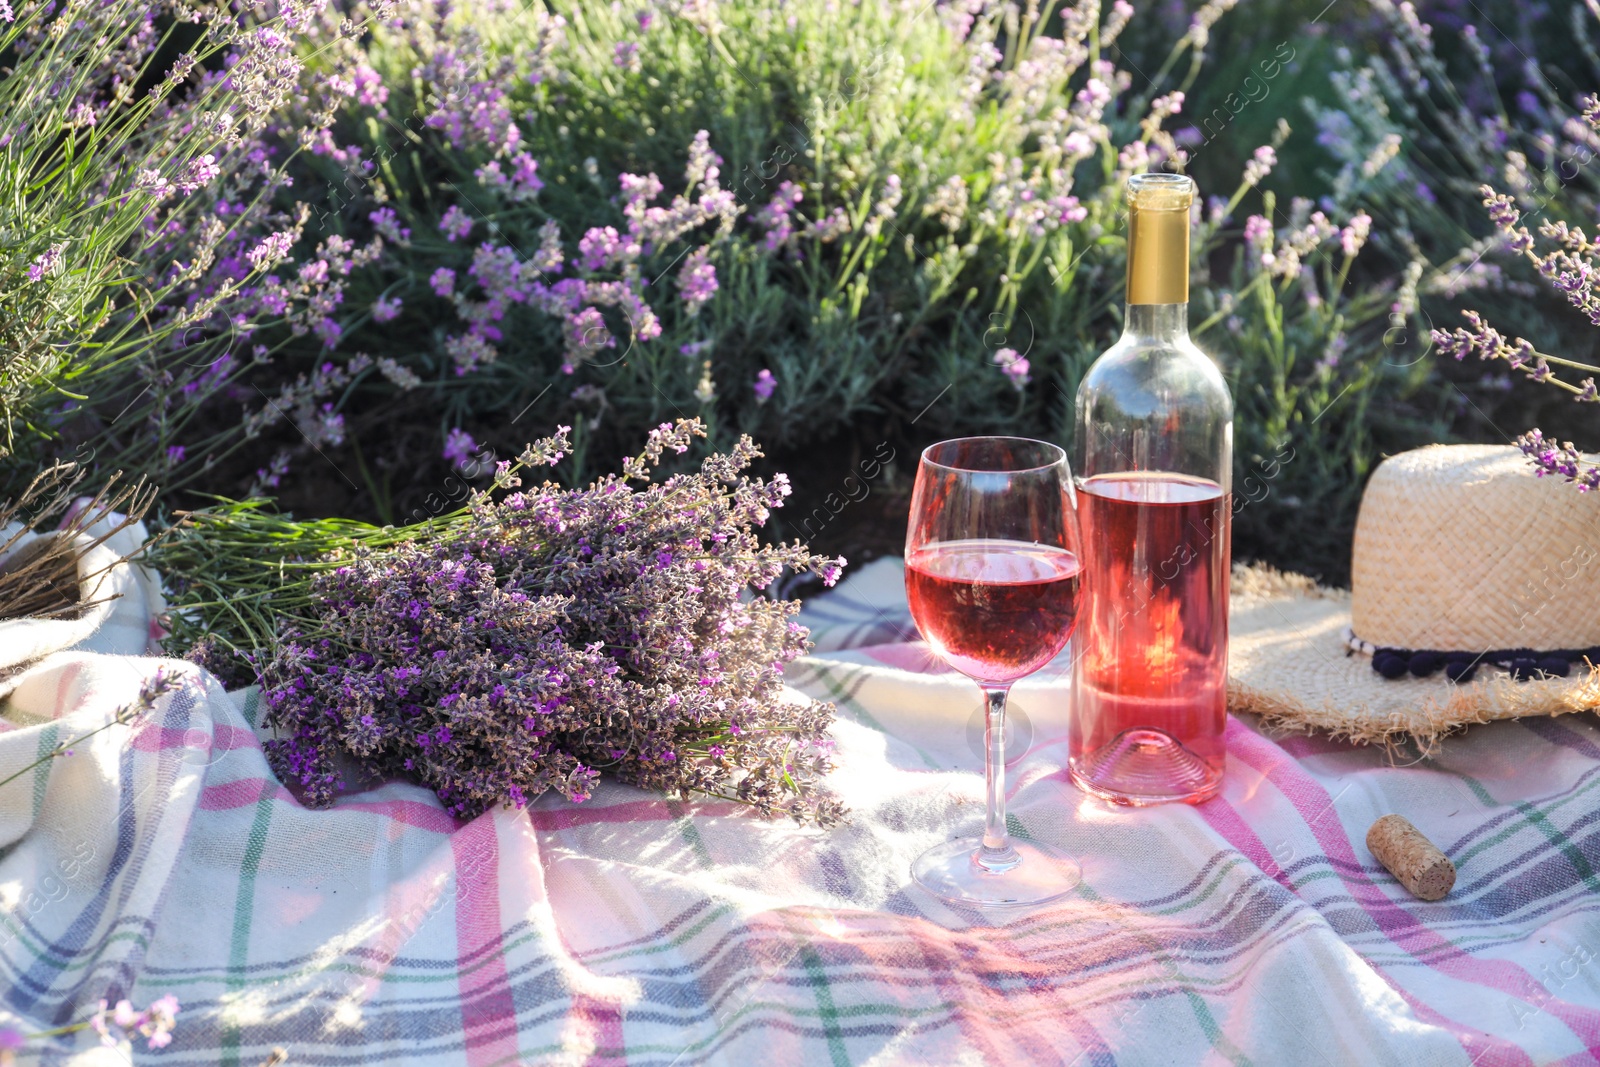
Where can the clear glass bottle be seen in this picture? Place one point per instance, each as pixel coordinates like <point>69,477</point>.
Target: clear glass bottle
<point>1155,455</point>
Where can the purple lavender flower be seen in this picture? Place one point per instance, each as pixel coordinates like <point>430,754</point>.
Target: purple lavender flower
<point>270,476</point>
<point>764,386</point>
<point>1013,366</point>
<point>1502,209</point>
<point>1260,165</point>
<point>175,454</point>
<point>469,351</point>
<point>367,86</point>
<point>159,1019</point>
<point>272,248</point>
<point>387,223</point>
<point>328,331</point>
<point>1354,236</point>
<point>1067,210</point>
<point>491,175</point>
<point>456,225</point>
<point>1332,354</point>
<point>152,182</point>
<point>831,226</point>
<point>600,246</point>
<point>777,217</point>
<point>154,1024</point>
<point>198,174</point>
<point>443,281</point>
<point>1547,457</point>
<point>459,448</point>
<point>697,280</point>
<point>386,310</point>
<point>525,183</point>
<point>46,262</point>
<point>1258,235</point>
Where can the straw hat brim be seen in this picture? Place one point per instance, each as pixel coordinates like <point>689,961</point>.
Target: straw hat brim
<point>1288,662</point>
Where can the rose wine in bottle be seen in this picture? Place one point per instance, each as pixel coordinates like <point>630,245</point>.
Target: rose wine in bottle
<point>1154,434</point>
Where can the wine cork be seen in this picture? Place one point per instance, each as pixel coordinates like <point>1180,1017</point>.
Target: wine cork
<point>1415,862</point>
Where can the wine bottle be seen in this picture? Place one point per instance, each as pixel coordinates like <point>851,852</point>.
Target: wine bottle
<point>1154,438</point>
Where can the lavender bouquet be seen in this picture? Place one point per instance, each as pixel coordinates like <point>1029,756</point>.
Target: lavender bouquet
<point>534,640</point>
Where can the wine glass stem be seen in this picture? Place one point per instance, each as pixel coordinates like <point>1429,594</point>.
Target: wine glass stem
<point>996,854</point>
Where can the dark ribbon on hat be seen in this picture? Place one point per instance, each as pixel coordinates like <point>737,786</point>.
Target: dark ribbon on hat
<point>1524,664</point>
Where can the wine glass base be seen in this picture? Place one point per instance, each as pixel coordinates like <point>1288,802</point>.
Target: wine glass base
<point>951,872</point>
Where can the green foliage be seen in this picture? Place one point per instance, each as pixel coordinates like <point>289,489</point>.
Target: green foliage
<point>1312,361</point>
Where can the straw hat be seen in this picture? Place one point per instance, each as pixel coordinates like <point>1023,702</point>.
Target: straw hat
<point>1465,567</point>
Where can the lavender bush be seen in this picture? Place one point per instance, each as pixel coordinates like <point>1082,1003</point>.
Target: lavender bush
<point>1456,116</point>
<point>538,639</point>
<point>1304,352</point>
<point>136,200</point>
<point>869,219</point>
<point>441,222</point>
<point>832,215</point>
<point>1451,104</point>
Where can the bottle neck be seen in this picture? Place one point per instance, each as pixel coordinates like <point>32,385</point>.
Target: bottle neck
<point>1156,322</point>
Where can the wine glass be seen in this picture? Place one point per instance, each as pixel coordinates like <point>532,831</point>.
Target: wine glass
<point>992,577</point>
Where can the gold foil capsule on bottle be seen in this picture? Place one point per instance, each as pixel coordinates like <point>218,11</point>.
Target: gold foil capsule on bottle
<point>1158,238</point>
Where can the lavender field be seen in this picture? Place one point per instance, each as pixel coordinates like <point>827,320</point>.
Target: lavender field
<point>346,256</point>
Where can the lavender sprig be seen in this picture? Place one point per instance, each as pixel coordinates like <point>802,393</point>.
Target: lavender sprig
<point>1572,268</point>
<point>114,1024</point>
<point>1485,342</point>
<point>1564,460</point>
<point>158,685</point>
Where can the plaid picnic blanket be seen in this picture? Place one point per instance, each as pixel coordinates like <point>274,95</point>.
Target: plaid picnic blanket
<point>1254,929</point>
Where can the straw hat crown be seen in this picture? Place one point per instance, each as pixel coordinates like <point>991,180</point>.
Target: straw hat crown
<point>1460,548</point>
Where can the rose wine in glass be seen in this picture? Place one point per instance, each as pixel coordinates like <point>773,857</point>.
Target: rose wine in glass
<point>992,576</point>
<point>996,610</point>
<point>1155,439</point>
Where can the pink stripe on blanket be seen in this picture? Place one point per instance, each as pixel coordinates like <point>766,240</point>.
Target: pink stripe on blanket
<point>151,737</point>
<point>245,792</point>
<point>488,1010</point>
<point>1225,819</point>
<point>599,1020</point>
<point>65,681</point>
